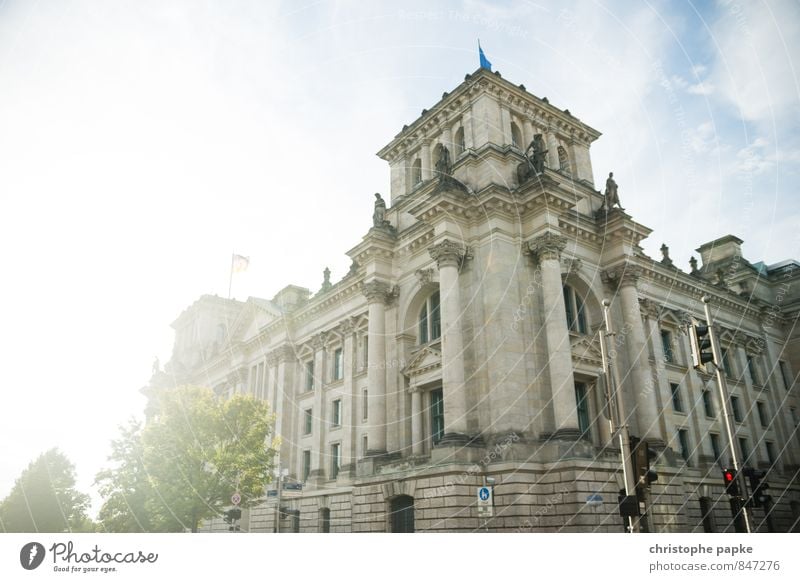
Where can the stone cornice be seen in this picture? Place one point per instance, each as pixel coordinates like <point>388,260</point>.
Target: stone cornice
<point>547,246</point>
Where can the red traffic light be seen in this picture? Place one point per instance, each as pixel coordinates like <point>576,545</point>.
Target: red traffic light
<point>731,485</point>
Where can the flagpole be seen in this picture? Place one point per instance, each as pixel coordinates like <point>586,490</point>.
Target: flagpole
<point>230,278</point>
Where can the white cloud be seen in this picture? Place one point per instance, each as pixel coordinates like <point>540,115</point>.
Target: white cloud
<point>702,88</point>
<point>755,69</point>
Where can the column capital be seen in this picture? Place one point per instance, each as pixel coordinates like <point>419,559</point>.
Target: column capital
<point>378,291</point>
<point>347,326</point>
<point>622,275</point>
<point>284,353</point>
<point>318,341</point>
<point>238,376</point>
<point>546,247</point>
<point>650,309</point>
<point>449,253</point>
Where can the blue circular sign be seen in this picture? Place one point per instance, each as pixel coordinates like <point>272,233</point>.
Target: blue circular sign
<point>484,493</point>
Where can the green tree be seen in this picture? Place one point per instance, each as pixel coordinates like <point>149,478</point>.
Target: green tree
<point>185,464</point>
<point>44,498</point>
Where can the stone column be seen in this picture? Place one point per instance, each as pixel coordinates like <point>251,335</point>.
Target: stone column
<point>377,294</point>
<point>626,277</point>
<point>546,250</point>
<point>447,140</point>
<point>417,435</point>
<point>552,150</point>
<point>320,414</point>
<point>284,393</point>
<point>469,138</point>
<point>349,399</point>
<point>449,256</point>
<point>505,121</point>
<point>527,133</point>
<point>425,156</point>
<point>650,311</point>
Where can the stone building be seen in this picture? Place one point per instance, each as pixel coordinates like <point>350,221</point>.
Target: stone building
<point>463,345</point>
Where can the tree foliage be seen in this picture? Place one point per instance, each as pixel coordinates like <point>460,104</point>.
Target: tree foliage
<point>184,465</point>
<point>44,498</point>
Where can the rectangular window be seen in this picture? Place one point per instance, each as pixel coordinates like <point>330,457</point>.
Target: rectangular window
<point>308,416</point>
<point>683,439</point>
<point>752,370</point>
<point>338,364</point>
<point>365,404</point>
<point>253,379</point>
<point>771,453</point>
<point>336,413</point>
<point>336,459</point>
<point>436,317</point>
<point>364,445</point>
<point>745,450</point>
<point>366,352</point>
<point>708,403</point>
<point>787,377</point>
<point>582,402</point>
<point>569,307</point>
<point>737,411</point>
<point>763,417</point>
<point>306,465</point>
<point>715,449</point>
<point>677,402</point>
<point>666,342</point>
<point>726,364</point>
<point>437,415</point>
<point>309,375</point>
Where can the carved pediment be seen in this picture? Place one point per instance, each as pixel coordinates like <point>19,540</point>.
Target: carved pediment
<point>423,361</point>
<point>586,348</point>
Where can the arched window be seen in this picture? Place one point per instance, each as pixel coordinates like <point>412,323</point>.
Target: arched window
<point>576,312</point>
<point>325,520</point>
<point>401,514</point>
<point>416,172</point>
<point>430,321</point>
<point>563,160</point>
<point>459,142</point>
<point>516,136</point>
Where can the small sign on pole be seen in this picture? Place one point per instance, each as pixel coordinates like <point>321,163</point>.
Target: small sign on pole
<point>485,503</point>
<point>236,499</point>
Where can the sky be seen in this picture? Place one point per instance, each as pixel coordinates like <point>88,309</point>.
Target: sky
<point>141,143</point>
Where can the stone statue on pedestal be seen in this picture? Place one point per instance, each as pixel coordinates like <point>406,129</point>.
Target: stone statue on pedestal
<point>379,215</point>
<point>611,194</point>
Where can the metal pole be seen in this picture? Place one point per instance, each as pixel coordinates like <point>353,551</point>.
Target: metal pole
<point>277,527</point>
<point>727,413</point>
<point>617,405</point>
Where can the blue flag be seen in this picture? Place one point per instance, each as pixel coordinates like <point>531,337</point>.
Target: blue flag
<point>485,64</point>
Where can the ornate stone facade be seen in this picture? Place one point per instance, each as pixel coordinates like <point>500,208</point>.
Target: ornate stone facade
<point>463,345</point>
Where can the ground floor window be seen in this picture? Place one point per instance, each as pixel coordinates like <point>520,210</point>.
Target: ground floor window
<point>325,520</point>
<point>582,401</point>
<point>401,514</point>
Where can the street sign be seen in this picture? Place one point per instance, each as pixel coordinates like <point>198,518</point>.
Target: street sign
<point>485,505</point>
<point>594,499</point>
<point>236,499</point>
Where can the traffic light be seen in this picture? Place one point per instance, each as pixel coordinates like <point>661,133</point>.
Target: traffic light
<point>700,341</point>
<point>758,487</point>
<point>232,515</point>
<point>731,483</point>
<point>642,459</point>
